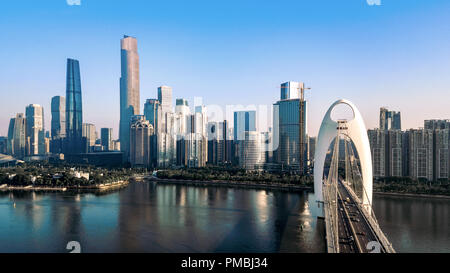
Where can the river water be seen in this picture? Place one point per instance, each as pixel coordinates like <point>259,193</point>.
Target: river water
<point>145,217</point>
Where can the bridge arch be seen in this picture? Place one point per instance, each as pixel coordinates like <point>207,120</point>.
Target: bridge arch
<point>358,134</point>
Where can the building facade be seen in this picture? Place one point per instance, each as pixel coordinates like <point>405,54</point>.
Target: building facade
<point>141,133</point>
<point>35,129</point>
<point>390,119</point>
<point>74,109</point>
<point>129,90</point>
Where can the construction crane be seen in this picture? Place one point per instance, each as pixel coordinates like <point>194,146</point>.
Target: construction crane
<point>302,125</point>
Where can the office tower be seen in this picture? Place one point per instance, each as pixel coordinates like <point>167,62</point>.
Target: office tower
<point>290,90</point>
<point>421,153</point>
<point>244,121</point>
<point>181,112</point>
<point>35,129</point>
<point>106,139</point>
<point>141,132</point>
<point>58,129</point>
<point>377,140</point>
<point>165,98</point>
<point>251,155</point>
<point>437,124</point>
<point>216,142</point>
<point>390,119</point>
<point>152,112</point>
<point>58,126</point>
<point>17,136</point>
<point>74,110</point>
<point>196,140</point>
<point>89,137</point>
<point>129,90</point>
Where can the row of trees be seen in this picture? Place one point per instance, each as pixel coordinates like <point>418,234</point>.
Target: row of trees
<point>234,174</point>
<point>409,185</point>
<point>44,174</point>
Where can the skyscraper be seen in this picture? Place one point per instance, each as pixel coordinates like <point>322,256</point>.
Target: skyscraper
<point>244,121</point>
<point>74,110</point>
<point>58,126</point>
<point>390,119</point>
<point>152,110</point>
<point>106,139</point>
<point>165,98</point>
<point>89,137</point>
<point>129,90</point>
<point>17,136</point>
<point>35,129</point>
<point>289,113</point>
<point>290,90</point>
<point>58,129</point>
<point>141,132</point>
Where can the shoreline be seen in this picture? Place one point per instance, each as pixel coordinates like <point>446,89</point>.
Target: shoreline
<point>99,187</point>
<point>411,195</point>
<point>283,187</point>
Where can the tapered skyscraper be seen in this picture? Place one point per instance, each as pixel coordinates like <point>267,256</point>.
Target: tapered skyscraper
<point>129,91</point>
<point>74,110</point>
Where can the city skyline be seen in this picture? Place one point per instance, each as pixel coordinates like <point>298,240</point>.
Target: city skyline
<point>240,86</point>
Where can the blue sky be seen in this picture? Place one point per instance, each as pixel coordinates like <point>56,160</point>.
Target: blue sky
<point>232,52</point>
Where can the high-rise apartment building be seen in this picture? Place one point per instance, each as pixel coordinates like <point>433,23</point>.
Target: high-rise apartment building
<point>390,119</point>
<point>421,153</point>
<point>35,129</point>
<point>377,140</point>
<point>74,110</point>
<point>129,90</point>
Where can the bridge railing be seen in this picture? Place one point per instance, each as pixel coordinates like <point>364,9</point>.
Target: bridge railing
<point>369,215</point>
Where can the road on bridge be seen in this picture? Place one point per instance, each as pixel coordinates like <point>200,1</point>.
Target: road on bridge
<point>355,232</point>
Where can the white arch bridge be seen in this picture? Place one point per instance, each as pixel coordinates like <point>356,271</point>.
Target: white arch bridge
<point>345,185</point>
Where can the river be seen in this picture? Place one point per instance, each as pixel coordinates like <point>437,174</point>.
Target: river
<point>147,217</point>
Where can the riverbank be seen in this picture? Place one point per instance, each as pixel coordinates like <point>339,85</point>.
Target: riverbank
<point>274,186</point>
<point>234,184</point>
<point>98,187</point>
<point>412,195</point>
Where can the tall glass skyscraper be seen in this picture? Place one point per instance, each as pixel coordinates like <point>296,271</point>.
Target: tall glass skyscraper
<point>74,110</point>
<point>58,129</point>
<point>244,121</point>
<point>129,91</point>
<point>17,136</point>
<point>286,120</point>
<point>35,129</point>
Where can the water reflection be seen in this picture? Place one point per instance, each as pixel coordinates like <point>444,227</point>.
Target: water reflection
<point>145,217</point>
<point>415,224</point>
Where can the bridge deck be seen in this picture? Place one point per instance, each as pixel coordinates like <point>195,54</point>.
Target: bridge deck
<point>356,227</point>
